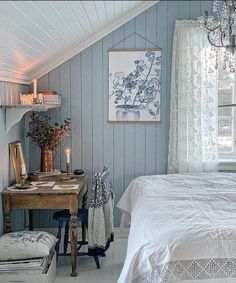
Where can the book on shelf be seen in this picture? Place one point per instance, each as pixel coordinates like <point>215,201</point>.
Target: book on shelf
<point>51,99</point>
<point>45,92</point>
<point>54,176</point>
<point>42,177</point>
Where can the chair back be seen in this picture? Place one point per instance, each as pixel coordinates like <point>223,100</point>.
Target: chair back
<point>102,188</point>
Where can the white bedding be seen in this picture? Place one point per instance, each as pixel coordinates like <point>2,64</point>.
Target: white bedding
<point>183,227</point>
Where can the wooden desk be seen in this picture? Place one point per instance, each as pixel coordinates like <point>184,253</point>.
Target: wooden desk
<point>46,198</point>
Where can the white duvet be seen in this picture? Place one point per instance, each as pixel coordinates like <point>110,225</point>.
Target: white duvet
<point>179,217</point>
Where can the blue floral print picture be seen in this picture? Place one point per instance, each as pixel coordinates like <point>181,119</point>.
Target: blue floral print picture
<point>134,85</point>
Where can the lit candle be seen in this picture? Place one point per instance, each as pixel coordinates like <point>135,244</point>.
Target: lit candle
<point>35,89</point>
<point>23,169</point>
<point>67,155</point>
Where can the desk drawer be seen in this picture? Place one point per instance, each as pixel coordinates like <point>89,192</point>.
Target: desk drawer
<point>40,201</point>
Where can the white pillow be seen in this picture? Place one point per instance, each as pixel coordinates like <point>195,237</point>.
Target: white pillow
<point>26,244</point>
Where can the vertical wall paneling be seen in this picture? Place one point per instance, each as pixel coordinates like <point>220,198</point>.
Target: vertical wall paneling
<point>55,115</point>
<point>140,128</point>
<point>108,128</point>
<point>26,145</point>
<point>195,10</point>
<point>34,163</point>
<point>65,107</point>
<point>162,129</point>
<point>43,83</point>
<point>41,217</point>
<point>119,137</point>
<point>2,164</point>
<point>76,111</point>
<point>87,114</point>
<point>205,6</point>
<point>151,145</point>
<point>54,84</point>
<point>97,106</point>
<point>129,143</point>
<point>6,171</point>
<point>183,9</point>
<point>129,149</point>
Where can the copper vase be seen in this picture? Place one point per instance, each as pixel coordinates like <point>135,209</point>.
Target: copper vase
<point>46,160</point>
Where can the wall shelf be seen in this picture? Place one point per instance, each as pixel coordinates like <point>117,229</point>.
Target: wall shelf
<point>14,113</point>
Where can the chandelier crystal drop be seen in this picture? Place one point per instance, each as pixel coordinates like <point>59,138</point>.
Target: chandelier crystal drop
<point>221,30</point>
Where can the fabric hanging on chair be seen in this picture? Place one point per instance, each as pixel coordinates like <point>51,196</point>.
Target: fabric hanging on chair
<point>100,217</point>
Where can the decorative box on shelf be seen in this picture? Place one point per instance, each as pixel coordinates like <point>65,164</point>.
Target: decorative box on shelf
<point>15,112</point>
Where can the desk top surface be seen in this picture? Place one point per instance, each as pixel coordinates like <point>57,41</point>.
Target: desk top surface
<point>42,190</point>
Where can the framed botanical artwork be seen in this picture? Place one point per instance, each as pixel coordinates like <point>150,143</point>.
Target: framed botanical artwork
<point>134,85</point>
<point>18,160</point>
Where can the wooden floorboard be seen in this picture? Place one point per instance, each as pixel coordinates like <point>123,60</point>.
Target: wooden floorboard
<point>111,266</point>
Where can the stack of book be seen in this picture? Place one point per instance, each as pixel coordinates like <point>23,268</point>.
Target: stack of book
<point>46,176</point>
<point>27,266</point>
<point>51,99</point>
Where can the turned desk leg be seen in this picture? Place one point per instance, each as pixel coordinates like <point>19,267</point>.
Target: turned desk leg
<point>7,214</point>
<point>31,225</point>
<point>74,236</point>
<point>84,205</point>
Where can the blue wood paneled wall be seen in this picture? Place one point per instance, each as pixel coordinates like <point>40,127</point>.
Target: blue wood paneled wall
<point>16,133</point>
<point>130,150</point>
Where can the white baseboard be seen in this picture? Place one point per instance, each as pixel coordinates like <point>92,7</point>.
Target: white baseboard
<point>121,234</point>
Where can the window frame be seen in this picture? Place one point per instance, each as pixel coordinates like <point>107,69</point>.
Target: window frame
<point>231,156</point>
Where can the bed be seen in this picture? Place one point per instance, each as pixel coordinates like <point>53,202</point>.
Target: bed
<point>182,229</point>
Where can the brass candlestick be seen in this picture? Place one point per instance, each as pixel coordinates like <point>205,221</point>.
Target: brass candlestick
<point>68,171</point>
<point>35,100</point>
<point>23,179</point>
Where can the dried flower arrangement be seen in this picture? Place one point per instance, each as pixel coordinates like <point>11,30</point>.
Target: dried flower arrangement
<point>44,134</point>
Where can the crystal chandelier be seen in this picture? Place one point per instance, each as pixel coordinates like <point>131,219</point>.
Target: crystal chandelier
<point>221,30</point>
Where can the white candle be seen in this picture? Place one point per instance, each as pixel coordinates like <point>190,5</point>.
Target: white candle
<point>40,98</point>
<point>35,89</point>
<point>67,155</point>
<point>23,169</point>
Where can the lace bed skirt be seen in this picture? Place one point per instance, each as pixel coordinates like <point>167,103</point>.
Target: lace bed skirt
<point>179,270</point>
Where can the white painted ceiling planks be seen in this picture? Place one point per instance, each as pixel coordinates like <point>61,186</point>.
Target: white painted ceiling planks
<point>37,36</point>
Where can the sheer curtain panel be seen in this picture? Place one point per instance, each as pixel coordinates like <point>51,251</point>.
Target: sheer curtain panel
<point>194,102</point>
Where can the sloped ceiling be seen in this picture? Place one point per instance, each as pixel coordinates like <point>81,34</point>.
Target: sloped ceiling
<point>37,36</point>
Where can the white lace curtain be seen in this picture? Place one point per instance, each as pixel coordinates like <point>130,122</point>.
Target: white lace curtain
<point>194,103</point>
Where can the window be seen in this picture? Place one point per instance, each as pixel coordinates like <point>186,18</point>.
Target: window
<point>227,115</point>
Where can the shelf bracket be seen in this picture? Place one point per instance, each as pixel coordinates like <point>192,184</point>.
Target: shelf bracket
<point>13,116</point>
<point>14,113</point>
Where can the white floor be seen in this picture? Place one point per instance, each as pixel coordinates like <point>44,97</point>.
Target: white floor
<point>111,266</point>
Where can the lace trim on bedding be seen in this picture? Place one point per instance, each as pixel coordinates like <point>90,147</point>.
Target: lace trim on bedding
<point>175,271</point>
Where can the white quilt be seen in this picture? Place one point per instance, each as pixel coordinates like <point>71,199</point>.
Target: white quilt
<point>183,228</point>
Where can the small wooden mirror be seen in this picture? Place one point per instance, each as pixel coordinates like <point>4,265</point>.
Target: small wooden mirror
<point>18,160</point>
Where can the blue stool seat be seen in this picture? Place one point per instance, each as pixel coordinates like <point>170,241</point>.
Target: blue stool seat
<point>64,216</point>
